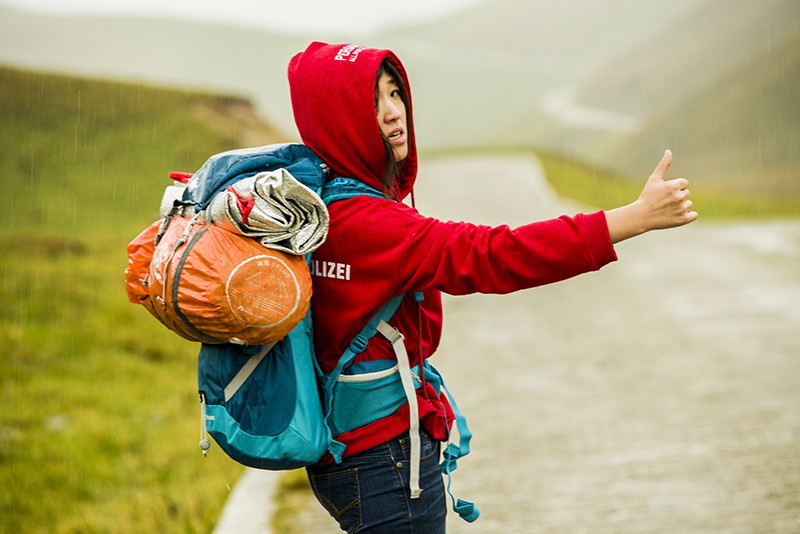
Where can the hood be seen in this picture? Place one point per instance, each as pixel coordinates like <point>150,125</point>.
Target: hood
<point>333,98</point>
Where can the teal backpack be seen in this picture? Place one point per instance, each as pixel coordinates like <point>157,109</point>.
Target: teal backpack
<point>271,406</point>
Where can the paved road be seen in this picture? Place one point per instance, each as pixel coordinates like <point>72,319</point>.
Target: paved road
<point>661,394</point>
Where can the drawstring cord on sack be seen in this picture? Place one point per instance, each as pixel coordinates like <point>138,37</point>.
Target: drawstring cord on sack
<point>205,444</point>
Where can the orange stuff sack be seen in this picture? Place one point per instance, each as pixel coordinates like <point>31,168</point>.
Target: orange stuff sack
<point>214,286</point>
<point>140,252</point>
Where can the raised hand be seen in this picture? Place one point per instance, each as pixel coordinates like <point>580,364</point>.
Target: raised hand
<point>661,204</point>
<point>666,201</point>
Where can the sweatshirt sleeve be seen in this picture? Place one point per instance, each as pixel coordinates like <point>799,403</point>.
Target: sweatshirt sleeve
<point>462,258</point>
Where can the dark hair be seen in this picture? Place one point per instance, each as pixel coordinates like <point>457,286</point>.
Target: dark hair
<point>391,167</point>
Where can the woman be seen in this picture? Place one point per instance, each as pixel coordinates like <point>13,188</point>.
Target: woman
<point>352,107</point>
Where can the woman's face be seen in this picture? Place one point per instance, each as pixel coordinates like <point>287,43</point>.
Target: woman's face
<point>391,113</point>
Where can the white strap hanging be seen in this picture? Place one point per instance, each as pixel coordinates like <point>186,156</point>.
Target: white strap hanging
<point>396,339</point>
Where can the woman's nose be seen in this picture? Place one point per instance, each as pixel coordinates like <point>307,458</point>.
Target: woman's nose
<point>390,111</point>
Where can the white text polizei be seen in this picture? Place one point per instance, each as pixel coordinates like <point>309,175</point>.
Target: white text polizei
<point>329,269</point>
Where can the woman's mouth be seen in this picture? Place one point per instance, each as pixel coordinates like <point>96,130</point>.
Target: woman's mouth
<point>397,137</point>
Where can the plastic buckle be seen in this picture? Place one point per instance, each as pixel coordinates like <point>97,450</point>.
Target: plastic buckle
<point>391,333</point>
<point>359,344</point>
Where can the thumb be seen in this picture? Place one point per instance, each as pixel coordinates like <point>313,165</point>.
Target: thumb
<point>661,169</point>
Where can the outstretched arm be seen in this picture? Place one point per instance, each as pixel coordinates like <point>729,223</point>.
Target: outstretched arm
<point>662,204</point>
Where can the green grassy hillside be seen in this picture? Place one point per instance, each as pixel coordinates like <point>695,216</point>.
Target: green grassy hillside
<point>99,422</point>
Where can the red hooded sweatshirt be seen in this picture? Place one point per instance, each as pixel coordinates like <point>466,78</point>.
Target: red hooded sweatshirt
<point>378,249</point>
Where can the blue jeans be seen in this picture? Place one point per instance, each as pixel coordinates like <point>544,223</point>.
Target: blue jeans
<point>369,491</point>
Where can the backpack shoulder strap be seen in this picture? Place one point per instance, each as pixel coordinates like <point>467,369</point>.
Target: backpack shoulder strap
<point>342,188</point>
<point>339,189</point>
<point>359,343</point>
<point>357,346</point>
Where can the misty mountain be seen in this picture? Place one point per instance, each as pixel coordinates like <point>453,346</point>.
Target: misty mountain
<point>612,83</point>
<point>720,86</point>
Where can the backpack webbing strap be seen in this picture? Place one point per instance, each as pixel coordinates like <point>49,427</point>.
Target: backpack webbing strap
<point>396,339</point>
<point>465,509</point>
<point>246,370</point>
